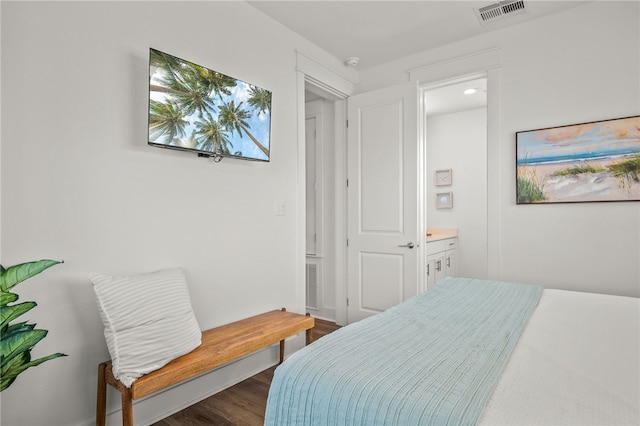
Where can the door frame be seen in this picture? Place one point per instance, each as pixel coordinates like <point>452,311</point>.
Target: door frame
<point>487,63</point>
<point>336,86</point>
<point>424,89</point>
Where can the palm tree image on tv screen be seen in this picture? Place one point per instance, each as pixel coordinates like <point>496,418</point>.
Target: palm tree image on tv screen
<point>193,108</point>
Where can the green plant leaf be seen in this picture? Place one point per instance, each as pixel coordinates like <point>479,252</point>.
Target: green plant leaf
<point>6,298</point>
<point>19,343</point>
<point>17,340</point>
<point>16,274</point>
<point>9,313</point>
<point>15,363</point>
<point>5,381</point>
<point>17,328</point>
<point>10,370</point>
<point>18,365</point>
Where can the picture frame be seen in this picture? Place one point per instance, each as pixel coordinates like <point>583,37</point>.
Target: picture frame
<point>444,200</point>
<point>588,162</point>
<point>443,177</point>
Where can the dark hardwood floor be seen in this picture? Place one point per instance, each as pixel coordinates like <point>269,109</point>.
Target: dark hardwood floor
<point>240,405</point>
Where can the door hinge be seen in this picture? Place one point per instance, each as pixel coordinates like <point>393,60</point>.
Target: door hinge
<point>347,124</point>
<point>347,183</point>
<point>347,301</point>
<point>347,242</point>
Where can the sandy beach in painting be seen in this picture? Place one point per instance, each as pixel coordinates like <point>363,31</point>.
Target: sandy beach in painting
<point>600,186</point>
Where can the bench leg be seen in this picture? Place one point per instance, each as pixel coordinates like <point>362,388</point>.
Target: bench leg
<point>309,334</point>
<point>281,351</point>
<point>127,408</point>
<point>101,405</point>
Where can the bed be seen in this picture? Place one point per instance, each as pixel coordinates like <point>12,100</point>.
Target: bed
<point>471,352</point>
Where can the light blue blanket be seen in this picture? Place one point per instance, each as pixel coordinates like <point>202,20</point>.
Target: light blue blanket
<point>432,360</point>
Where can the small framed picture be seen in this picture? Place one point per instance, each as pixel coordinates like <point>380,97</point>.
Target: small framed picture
<point>443,177</point>
<point>444,200</point>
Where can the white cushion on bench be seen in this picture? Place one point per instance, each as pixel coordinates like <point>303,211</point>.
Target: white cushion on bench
<point>148,320</point>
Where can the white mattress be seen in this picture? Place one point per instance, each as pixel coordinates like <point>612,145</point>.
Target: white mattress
<point>557,375</point>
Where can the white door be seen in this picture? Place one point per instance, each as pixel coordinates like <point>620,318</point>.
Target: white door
<point>382,197</point>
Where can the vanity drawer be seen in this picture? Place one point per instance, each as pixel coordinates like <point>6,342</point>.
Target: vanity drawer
<point>436,246</point>
<point>441,245</point>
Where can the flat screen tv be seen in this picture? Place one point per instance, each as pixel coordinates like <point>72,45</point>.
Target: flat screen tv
<point>196,109</point>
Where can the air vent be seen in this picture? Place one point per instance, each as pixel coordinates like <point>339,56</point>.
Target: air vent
<point>312,285</point>
<point>500,11</point>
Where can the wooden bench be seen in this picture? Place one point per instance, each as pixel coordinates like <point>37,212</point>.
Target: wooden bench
<point>219,346</point>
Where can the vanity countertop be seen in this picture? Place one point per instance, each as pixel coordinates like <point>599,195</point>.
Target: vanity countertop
<point>436,234</point>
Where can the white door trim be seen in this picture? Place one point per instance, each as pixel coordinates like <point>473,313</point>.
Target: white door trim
<point>474,63</point>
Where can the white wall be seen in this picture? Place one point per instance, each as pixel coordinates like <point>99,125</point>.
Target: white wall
<point>576,66</point>
<point>447,136</point>
<point>79,183</point>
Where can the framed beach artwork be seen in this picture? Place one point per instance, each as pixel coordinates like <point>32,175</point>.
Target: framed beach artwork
<point>588,162</point>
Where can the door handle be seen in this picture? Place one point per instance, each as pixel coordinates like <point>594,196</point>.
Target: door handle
<point>408,245</point>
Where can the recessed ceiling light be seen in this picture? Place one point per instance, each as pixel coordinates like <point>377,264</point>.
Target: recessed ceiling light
<point>470,91</point>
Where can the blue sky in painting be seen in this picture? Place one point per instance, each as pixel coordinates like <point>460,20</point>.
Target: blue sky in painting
<point>598,140</point>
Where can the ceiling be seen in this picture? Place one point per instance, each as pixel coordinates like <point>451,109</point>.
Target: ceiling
<point>377,32</point>
<point>452,97</point>
<point>381,31</point>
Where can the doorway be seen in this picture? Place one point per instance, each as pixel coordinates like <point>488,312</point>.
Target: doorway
<point>455,128</point>
<point>321,254</point>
